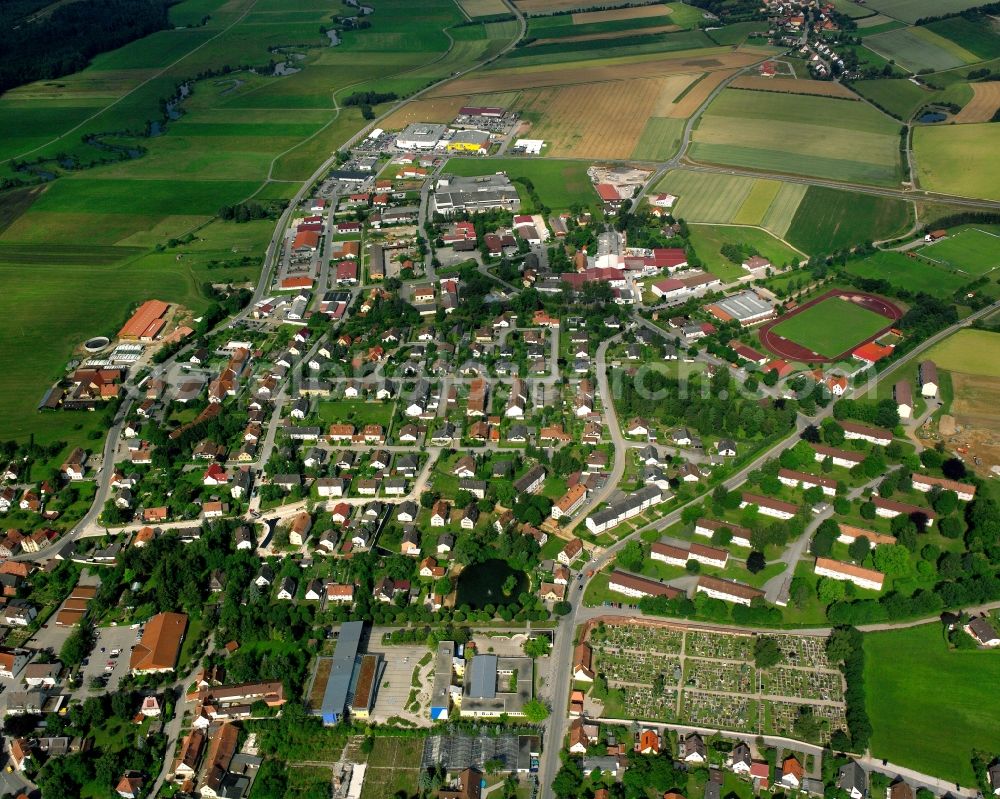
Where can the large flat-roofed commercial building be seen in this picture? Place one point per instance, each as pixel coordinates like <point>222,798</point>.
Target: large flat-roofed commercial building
<point>420,136</point>
<point>488,680</point>
<point>338,684</point>
<point>469,141</point>
<point>471,194</point>
<point>747,308</point>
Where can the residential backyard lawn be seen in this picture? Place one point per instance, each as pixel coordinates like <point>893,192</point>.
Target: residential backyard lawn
<point>918,691</point>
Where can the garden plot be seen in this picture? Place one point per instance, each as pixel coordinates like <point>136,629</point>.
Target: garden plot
<point>720,711</point>
<point>789,682</point>
<point>721,646</point>
<point>718,675</point>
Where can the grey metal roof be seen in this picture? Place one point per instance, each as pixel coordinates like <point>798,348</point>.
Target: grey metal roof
<point>483,677</point>
<point>339,683</point>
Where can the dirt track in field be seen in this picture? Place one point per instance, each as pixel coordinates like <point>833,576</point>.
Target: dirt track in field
<point>821,88</point>
<point>983,105</point>
<point>692,101</point>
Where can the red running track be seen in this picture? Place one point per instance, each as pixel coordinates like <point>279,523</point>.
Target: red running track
<point>790,351</point>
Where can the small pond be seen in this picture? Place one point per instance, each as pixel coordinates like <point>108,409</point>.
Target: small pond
<point>481,584</point>
<point>932,116</point>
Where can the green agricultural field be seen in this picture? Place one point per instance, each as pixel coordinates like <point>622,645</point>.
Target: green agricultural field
<point>660,139</point>
<point>818,136</point>
<point>899,96</point>
<point>977,37</point>
<point>757,202</point>
<point>830,219</point>
<point>736,33</point>
<point>920,48</point>
<point>959,159</point>
<point>851,9</point>
<point>562,26</point>
<point>912,10</point>
<point>85,243</point>
<point>781,214</point>
<point>637,44</point>
<point>973,352</point>
<point>708,240</point>
<point>831,327</point>
<point>911,274</point>
<point>706,197</point>
<point>974,251</point>
<point>559,184</point>
<point>904,674</point>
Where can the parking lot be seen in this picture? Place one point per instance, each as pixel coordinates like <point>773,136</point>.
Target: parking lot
<point>108,640</point>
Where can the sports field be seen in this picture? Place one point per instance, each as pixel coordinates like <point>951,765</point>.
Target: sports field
<point>916,687</point>
<point>831,327</point>
<point>559,184</point>
<point>973,251</point>
<point>959,159</point>
<point>919,48</point>
<point>911,274</point>
<point>807,135</point>
<point>974,352</point>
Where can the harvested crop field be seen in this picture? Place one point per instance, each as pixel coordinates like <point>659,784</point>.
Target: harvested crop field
<point>565,75</point>
<point>693,100</point>
<point>436,109</point>
<point>615,14</point>
<point>977,399</point>
<point>593,37</point>
<point>823,88</point>
<point>984,104</point>
<point>599,120</point>
<point>483,8</point>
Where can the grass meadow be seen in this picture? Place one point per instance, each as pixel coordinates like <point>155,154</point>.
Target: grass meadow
<point>905,671</point>
<point>709,239</point>
<point>959,159</point>
<point>660,139</point>
<point>831,327</point>
<point>973,352</point>
<point>805,135</point>
<point>909,273</point>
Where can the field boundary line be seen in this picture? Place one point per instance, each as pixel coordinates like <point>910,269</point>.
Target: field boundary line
<point>134,89</point>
